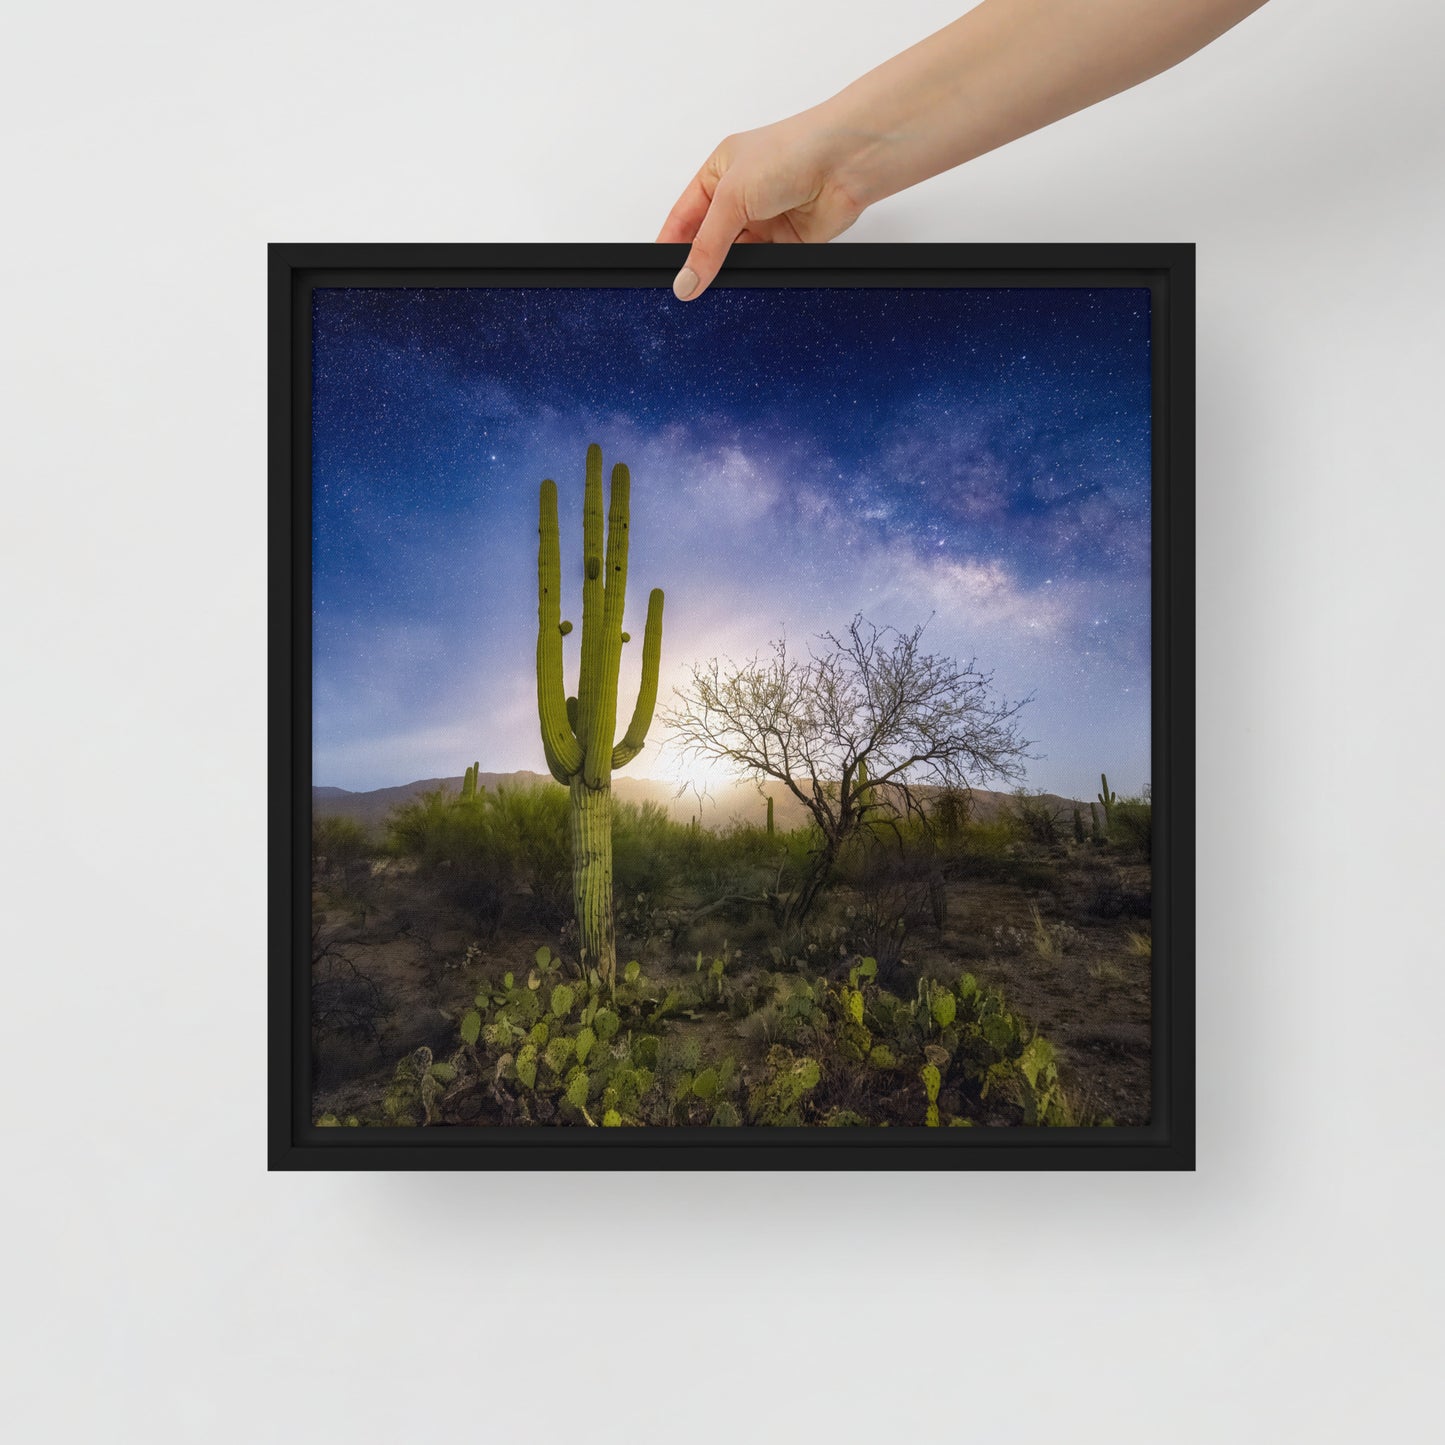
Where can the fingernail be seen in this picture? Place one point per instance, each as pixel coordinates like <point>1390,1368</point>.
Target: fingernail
<point>685,284</point>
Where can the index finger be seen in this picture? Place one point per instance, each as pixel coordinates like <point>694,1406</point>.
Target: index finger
<point>724,222</point>
<point>686,216</point>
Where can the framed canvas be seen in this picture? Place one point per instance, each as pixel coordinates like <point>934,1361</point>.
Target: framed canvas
<point>754,732</point>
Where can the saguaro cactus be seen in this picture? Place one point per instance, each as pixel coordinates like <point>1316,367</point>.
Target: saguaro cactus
<point>866,801</point>
<point>578,731</point>
<point>770,815</point>
<point>1107,799</point>
<point>470,792</point>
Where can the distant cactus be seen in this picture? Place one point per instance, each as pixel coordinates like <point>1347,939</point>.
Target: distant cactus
<point>866,800</point>
<point>1079,834</point>
<point>470,790</point>
<point>1096,834</point>
<point>578,732</point>
<point>770,815</point>
<point>1107,799</point>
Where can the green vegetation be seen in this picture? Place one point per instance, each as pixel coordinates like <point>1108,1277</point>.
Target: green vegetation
<point>1132,825</point>
<point>337,842</point>
<point>578,732</point>
<point>913,994</point>
<point>504,857</point>
<point>846,1053</point>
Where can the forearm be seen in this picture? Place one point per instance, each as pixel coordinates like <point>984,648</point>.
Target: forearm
<point>1004,69</point>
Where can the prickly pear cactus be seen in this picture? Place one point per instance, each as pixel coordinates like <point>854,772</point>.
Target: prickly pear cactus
<point>944,1008</point>
<point>932,1079</point>
<point>577,1088</point>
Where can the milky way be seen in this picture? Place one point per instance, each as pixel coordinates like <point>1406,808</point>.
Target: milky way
<point>977,457</point>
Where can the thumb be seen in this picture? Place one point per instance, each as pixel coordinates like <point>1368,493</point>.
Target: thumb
<point>724,223</point>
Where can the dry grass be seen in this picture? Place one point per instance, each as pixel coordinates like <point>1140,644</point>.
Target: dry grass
<point>1046,943</point>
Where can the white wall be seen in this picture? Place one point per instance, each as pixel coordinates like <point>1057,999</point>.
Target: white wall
<point>162,1287</point>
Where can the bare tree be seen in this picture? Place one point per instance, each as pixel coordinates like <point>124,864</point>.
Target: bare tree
<point>852,729</point>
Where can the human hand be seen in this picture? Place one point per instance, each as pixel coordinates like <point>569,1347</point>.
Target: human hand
<point>782,182</point>
<point>1004,69</point>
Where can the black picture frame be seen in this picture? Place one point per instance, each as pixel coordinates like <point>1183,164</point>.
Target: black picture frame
<point>1167,1142</point>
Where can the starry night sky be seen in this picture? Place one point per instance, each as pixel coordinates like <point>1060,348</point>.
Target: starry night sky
<point>797,455</point>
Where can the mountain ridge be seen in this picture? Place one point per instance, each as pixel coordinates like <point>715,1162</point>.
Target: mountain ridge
<point>735,802</point>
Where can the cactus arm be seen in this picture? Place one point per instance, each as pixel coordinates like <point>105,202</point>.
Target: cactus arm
<point>563,751</point>
<point>602,724</point>
<point>594,599</point>
<point>636,734</point>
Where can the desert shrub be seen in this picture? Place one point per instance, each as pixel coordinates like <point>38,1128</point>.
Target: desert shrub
<point>1033,875</point>
<point>897,877</point>
<point>949,814</point>
<point>1038,821</point>
<point>507,851</point>
<point>414,829</point>
<point>646,848</point>
<point>739,851</point>
<point>337,841</point>
<point>346,1001</point>
<point>882,917</point>
<point>988,848</point>
<point>1131,825</point>
<point>1104,898</point>
<point>529,840</point>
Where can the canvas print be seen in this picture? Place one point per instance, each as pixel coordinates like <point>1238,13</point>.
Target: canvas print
<point>734,714</point>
